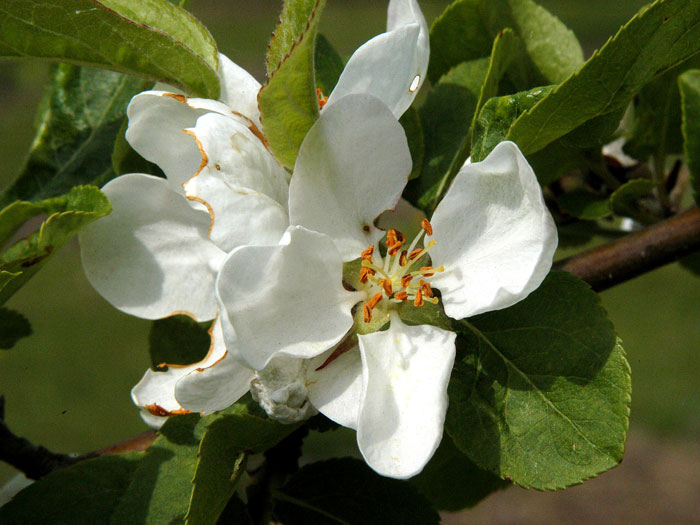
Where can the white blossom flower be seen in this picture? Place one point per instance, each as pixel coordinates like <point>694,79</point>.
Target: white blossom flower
<point>490,244</point>
<point>158,253</point>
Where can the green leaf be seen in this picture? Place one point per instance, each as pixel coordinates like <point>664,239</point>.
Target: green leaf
<point>86,492</point>
<point>288,102</point>
<point>466,29</point>
<point>13,327</point>
<point>161,486</point>
<point>410,121</point>
<point>79,119</point>
<point>328,63</point>
<point>655,40</point>
<point>222,457</point>
<point>343,491</point>
<point>541,393</point>
<point>689,83</point>
<point>585,205</point>
<point>624,200</point>
<point>178,340</point>
<point>67,216</point>
<point>150,38</point>
<point>503,52</point>
<point>497,116</point>
<point>452,482</point>
<point>445,119</point>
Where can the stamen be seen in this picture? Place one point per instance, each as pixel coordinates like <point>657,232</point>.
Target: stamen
<point>365,274</point>
<point>406,280</point>
<point>427,271</point>
<point>374,300</point>
<point>427,290</point>
<point>403,260</point>
<point>367,313</point>
<point>321,99</point>
<point>415,253</point>
<point>395,248</point>
<point>401,296</point>
<point>427,227</point>
<point>367,254</point>
<point>386,285</point>
<point>418,301</point>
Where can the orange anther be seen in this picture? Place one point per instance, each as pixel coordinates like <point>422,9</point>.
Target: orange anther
<point>403,260</point>
<point>395,248</point>
<point>426,289</point>
<point>415,253</point>
<point>418,301</point>
<point>367,313</point>
<point>365,274</point>
<point>406,280</point>
<point>393,237</point>
<point>425,224</point>
<point>374,300</point>
<point>427,271</point>
<point>321,99</point>
<point>388,290</point>
<point>401,296</point>
<point>367,254</point>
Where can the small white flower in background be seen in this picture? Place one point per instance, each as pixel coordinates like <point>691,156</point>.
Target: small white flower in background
<point>159,252</point>
<point>490,242</point>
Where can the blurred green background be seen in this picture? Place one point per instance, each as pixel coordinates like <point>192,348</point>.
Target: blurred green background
<point>67,386</point>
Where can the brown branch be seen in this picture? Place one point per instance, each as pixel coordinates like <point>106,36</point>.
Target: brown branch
<point>637,253</point>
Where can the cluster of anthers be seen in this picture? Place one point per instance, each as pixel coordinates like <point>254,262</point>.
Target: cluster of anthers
<point>391,278</point>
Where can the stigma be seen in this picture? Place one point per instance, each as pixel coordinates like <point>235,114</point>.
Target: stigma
<point>395,278</point>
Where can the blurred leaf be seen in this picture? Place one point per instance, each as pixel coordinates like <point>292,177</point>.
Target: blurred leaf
<point>226,444</point>
<point>67,216</point>
<point>13,327</point>
<point>150,38</point>
<point>328,65</point>
<point>80,116</point>
<point>288,102</point>
<point>235,513</point>
<point>624,199</point>
<point>86,492</point>
<point>445,117</point>
<point>585,205</point>
<point>348,491</point>
<point>178,340</point>
<point>410,121</point>
<point>466,29</point>
<point>658,38</point>
<point>452,482</point>
<point>689,83</point>
<point>497,116</point>
<point>541,395</point>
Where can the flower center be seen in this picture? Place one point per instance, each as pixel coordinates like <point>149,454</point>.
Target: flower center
<point>394,278</point>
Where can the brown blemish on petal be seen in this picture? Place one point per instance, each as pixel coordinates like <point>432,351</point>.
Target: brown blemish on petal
<point>218,168</point>
<point>214,363</point>
<point>211,345</point>
<point>202,165</point>
<point>254,129</point>
<point>176,96</point>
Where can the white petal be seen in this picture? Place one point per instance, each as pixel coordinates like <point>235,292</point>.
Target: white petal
<point>336,389</point>
<point>152,256</point>
<point>391,66</point>
<point>239,216</point>
<point>214,385</point>
<point>405,218</point>
<point>352,166</point>
<point>239,90</point>
<point>493,234</point>
<point>156,123</point>
<point>232,152</point>
<point>404,399</point>
<point>155,393</point>
<point>286,299</point>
